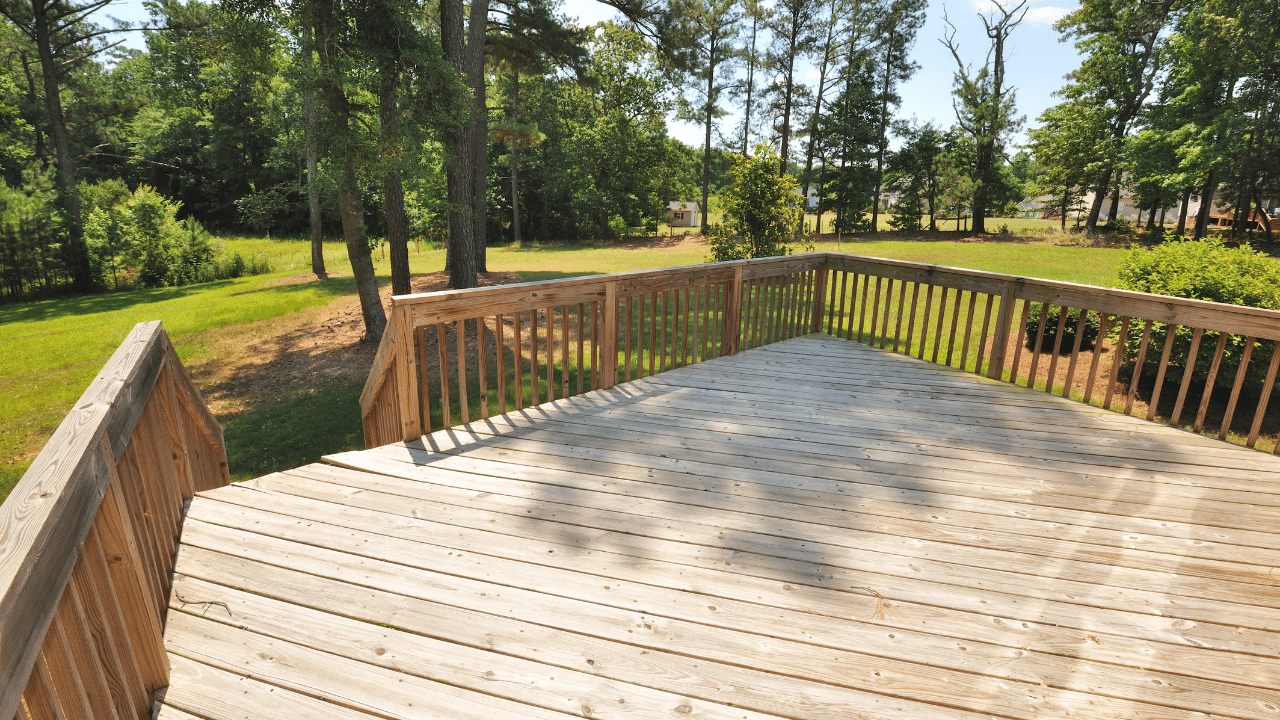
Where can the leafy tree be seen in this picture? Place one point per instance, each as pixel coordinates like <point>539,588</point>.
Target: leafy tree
<point>761,209</point>
<point>712,28</point>
<point>747,87</point>
<point>913,171</point>
<point>792,25</point>
<point>1066,149</point>
<point>984,107</point>
<point>897,27</point>
<point>1121,41</point>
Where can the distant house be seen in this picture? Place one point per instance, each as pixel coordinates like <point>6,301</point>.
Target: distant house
<point>683,214</point>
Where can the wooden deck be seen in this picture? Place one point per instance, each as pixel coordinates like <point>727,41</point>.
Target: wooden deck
<point>812,529</point>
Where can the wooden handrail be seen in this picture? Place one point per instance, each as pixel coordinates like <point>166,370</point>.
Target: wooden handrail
<point>88,534</point>
<point>622,322</point>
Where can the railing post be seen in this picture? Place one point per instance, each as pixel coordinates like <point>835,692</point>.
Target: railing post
<point>733,315</point>
<point>407,372</point>
<point>819,298</point>
<point>609,340</point>
<point>1000,340</point>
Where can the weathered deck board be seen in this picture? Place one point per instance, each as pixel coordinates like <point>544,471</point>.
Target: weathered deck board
<point>814,529</point>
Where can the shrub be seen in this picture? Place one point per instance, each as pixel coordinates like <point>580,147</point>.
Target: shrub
<point>1090,333</point>
<point>762,209</point>
<point>1204,270</point>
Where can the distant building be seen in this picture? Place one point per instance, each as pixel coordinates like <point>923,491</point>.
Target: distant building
<point>683,214</point>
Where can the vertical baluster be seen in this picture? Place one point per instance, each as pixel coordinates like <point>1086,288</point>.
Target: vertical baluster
<point>1187,371</point>
<point>518,344</point>
<point>911,320</point>
<point>955,325</point>
<point>888,315</point>
<point>115,644</point>
<point>595,343</point>
<point>69,687</point>
<point>924,321</point>
<point>862,307</point>
<point>39,694</point>
<point>968,330</point>
<point>875,310</point>
<point>1057,348</point>
<point>551,353</point>
<point>662,347</point>
<point>1035,349</point>
<point>1170,336</point>
<point>942,319</point>
<point>653,328</point>
<point>708,320</point>
<point>424,389</point>
<point>627,323</point>
<point>1122,349</point>
<point>682,307</point>
<point>1103,321</point>
<point>481,369</point>
<point>535,368</point>
<point>988,306</point>
<point>1209,381</point>
<point>445,404</point>
<point>779,308</point>
<point>1267,385</point>
<point>499,327</point>
<point>1138,363</point>
<point>693,321</point>
<point>1241,369</point>
<point>902,306</point>
<point>460,327</point>
<point>1081,323</point>
<point>581,341</point>
<point>853,301</point>
<point>564,351</point>
<point>844,284</point>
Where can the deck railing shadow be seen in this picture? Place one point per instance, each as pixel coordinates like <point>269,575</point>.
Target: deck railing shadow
<point>88,539</point>
<point>450,357</point>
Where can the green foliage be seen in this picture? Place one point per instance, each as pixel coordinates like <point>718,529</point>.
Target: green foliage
<point>1204,270</point>
<point>31,238</point>
<point>762,209</point>
<point>1090,331</point>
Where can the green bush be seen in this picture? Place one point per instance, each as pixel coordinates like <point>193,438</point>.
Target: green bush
<point>1090,333</point>
<point>762,210</point>
<point>1204,270</point>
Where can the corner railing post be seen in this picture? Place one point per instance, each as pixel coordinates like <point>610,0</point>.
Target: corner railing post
<point>1000,340</point>
<point>733,317</point>
<point>819,298</point>
<point>609,340</point>
<point>406,370</point>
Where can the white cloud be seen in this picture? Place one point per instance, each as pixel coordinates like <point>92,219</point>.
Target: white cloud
<point>1045,15</point>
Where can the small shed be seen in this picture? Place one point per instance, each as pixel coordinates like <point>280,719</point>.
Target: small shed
<point>683,214</point>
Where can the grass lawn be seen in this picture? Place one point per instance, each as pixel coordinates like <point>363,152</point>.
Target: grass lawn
<point>54,347</point>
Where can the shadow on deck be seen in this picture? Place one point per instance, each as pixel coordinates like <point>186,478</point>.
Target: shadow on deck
<point>810,529</point>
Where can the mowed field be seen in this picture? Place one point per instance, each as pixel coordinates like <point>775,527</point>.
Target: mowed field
<point>285,387</point>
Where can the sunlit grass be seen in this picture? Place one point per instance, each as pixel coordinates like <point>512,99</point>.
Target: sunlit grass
<point>54,347</point>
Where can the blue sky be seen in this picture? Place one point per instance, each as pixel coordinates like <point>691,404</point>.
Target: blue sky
<point>1036,59</point>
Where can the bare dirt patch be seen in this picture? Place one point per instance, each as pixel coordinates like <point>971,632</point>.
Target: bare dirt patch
<point>247,364</point>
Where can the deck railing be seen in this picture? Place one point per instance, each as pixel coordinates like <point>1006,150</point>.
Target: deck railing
<point>445,354</point>
<point>88,537</point>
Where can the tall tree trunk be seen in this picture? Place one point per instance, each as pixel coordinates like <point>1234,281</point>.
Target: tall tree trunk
<point>788,92</point>
<point>813,134</point>
<point>1151,217</point>
<point>1113,213</point>
<point>515,165</point>
<point>706,144</point>
<point>77,251</point>
<point>313,162</point>
<point>459,178</point>
<point>1095,208</point>
<point>477,26</point>
<point>881,140</point>
<point>1182,211</point>
<point>1066,201</point>
<point>1206,204</point>
<point>751,85</point>
<point>353,231</point>
<point>397,222</point>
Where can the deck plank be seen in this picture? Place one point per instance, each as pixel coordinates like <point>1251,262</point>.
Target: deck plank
<point>812,529</point>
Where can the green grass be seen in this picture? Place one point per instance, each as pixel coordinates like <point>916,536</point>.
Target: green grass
<point>53,348</point>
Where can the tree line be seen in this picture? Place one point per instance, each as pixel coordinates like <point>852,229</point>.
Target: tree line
<point>502,120</point>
